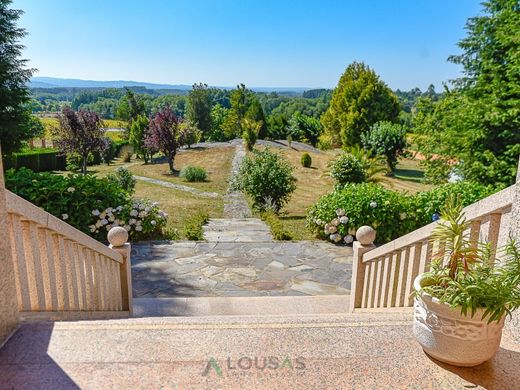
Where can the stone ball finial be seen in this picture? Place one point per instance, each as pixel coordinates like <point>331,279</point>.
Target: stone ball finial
<point>366,235</point>
<point>117,236</point>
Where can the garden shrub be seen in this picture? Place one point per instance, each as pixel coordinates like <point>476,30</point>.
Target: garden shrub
<point>386,139</point>
<point>306,160</point>
<point>123,178</point>
<point>118,146</point>
<point>74,161</point>
<point>337,215</point>
<point>427,203</point>
<point>46,162</point>
<point>127,157</point>
<point>192,229</point>
<point>108,151</point>
<point>391,213</point>
<point>125,152</point>
<point>141,218</point>
<point>276,226</point>
<point>346,168</point>
<point>88,203</point>
<point>194,174</point>
<point>267,178</point>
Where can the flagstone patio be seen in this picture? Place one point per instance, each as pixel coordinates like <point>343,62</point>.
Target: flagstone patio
<point>198,269</point>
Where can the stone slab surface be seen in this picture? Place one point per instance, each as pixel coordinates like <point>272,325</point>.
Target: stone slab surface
<point>241,269</point>
<point>320,352</point>
<point>241,306</point>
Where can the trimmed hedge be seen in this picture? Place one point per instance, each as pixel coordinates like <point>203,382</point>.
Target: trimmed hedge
<point>37,160</point>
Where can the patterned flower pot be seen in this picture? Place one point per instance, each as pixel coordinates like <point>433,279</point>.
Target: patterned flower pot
<point>450,337</point>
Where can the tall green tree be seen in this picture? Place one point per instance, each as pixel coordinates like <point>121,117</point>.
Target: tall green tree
<point>477,125</point>
<point>199,108</point>
<point>244,105</point>
<point>138,131</point>
<point>256,114</point>
<point>218,117</point>
<point>130,106</point>
<point>15,125</point>
<point>360,100</point>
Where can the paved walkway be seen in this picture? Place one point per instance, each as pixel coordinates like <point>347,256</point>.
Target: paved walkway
<point>198,269</point>
<point>235,203</point>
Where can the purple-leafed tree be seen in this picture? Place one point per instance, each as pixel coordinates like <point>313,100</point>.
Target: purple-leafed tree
<point>165,134</point>
<point>79,132</point>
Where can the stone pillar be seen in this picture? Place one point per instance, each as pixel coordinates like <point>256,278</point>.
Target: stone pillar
<point>118,237</point>
<point>513,326</point>
<point>365,236</point>
<point>8,300</point>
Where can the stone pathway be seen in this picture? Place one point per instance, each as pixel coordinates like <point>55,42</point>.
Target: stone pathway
<point>180,187</point>
<point>235,204</point>
<point>202,269</point>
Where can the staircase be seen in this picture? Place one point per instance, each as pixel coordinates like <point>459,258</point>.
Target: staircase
<point>237,230</point>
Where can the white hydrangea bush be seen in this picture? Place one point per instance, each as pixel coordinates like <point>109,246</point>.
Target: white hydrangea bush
<point>141,219</point>
<point>337,229</point>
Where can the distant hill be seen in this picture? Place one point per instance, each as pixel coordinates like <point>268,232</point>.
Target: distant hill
<point>55,82</point>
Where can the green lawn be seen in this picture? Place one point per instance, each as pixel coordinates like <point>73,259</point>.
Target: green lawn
<point>180,205</point>
<point>314,182</point>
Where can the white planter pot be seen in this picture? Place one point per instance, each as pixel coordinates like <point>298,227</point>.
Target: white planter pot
<point>447,335</point>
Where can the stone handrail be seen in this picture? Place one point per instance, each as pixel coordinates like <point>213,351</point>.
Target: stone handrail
<point>62,273</point>
<point>382,277</point>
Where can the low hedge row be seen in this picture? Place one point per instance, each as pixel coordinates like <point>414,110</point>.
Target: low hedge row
<point>49,159</point>
<point>38,160</point>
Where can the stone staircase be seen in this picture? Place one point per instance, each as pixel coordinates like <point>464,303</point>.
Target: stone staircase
<point>237,230</point>
<point>308,350</point>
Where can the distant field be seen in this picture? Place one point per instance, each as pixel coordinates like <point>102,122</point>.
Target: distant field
<point>49,123</point>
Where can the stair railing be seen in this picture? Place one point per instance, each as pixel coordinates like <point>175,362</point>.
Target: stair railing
<point>62,273</point>
<point>382,277</point>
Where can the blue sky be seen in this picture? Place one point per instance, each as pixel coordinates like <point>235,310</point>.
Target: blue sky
<point>262,43</point>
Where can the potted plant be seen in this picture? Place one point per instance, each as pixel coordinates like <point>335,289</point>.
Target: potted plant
<point>461,304</point>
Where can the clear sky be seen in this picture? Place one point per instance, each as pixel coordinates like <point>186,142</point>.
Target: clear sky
<point>263,43</point>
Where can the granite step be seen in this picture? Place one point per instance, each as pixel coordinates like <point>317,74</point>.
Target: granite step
<point>364,350</point>
<point>242,306</point>
<point>237,230</point>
